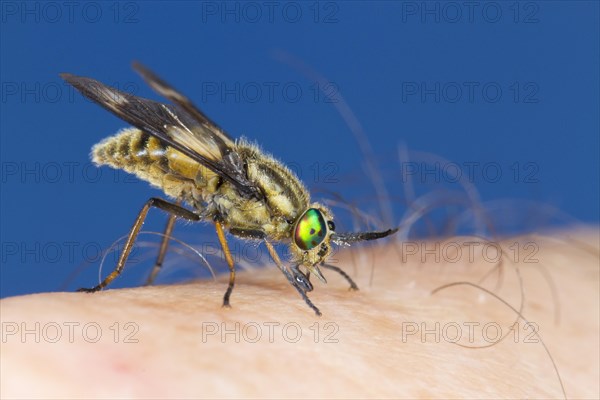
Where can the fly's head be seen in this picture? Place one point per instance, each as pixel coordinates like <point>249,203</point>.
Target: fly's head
<point>311,240</point>
<point>313,235</point>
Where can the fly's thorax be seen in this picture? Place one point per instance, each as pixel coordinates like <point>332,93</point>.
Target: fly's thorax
<point>241,212</point>
<point>311,235</point>
<point>285,199</point>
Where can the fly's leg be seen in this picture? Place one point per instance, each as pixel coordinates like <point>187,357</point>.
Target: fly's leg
<point>303,280</point>
<point>173,209</point>
<point>164,244</point>
<point>342,273</point>
<point>229,259</point>
<point>297,280</point>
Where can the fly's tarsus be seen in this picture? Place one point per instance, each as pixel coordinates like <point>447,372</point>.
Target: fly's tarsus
<point>90,290</point>
<point>301,279</point>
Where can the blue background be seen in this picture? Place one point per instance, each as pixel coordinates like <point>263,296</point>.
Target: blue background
<point>404,69</point>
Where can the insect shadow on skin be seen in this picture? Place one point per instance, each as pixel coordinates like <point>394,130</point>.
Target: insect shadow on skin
<point>230,183</point>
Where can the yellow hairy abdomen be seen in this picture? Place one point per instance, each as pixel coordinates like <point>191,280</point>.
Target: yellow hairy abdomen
<point>162,166</point>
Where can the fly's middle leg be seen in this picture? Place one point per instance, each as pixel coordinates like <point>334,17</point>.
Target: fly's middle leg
<point>164,244</point>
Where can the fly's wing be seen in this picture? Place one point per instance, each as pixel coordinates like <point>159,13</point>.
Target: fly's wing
<point>189,132</point>
<point>164,89</point>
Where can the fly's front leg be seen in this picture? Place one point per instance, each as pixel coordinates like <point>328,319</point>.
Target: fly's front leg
<point>164,244</point>
<point>297,279</point>
<point>301,279</point>
<point>227,253</point>
<point>173,209</point>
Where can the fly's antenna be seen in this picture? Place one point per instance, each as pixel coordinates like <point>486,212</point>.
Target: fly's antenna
<point>353,237</point>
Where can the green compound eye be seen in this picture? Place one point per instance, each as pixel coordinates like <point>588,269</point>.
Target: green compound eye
<point>310,230</point>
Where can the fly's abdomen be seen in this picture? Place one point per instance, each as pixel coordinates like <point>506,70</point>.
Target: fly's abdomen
<point>162,166</point>
<point>130,150</point>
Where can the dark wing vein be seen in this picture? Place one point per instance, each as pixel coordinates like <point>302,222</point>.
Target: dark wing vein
<point>164,89</point>
<point>175,127</point>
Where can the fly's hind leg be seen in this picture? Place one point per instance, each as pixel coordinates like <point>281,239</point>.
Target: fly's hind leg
<point>173,209</point>
<point>164,244</point>
<point>229,259</point>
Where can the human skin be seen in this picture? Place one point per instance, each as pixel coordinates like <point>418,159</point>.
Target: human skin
<point>368,343</point>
